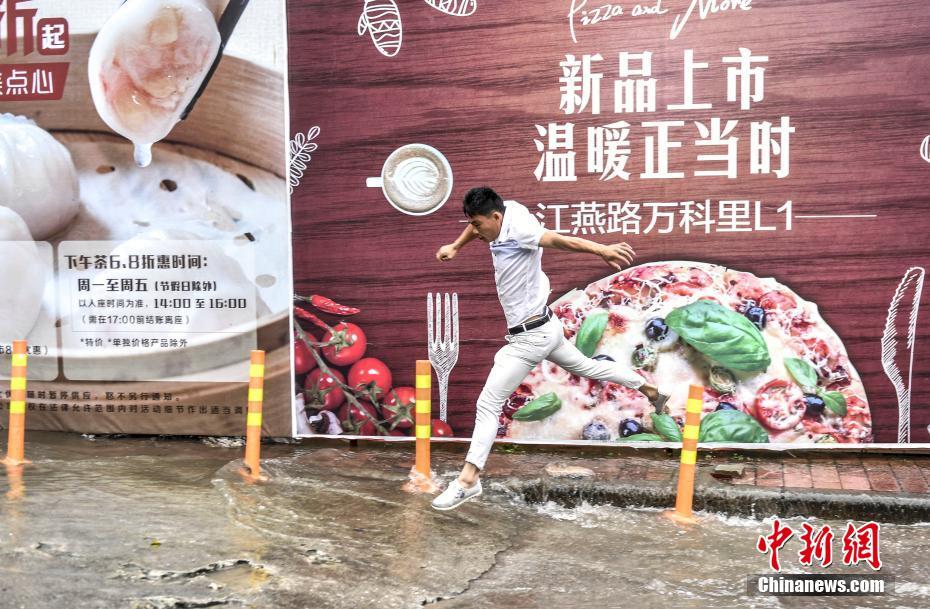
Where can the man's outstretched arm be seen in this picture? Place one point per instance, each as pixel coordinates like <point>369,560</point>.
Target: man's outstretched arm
<point>617,255</point>
<point>448,252</point>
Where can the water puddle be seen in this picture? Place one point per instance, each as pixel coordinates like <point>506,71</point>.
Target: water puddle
<point>159,524</point>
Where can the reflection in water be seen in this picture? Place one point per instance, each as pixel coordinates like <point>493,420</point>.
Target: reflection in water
<point>14,477</point>
<point>332,528</point>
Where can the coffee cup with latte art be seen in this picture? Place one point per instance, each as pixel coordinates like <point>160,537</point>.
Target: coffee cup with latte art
<point>416,179</point>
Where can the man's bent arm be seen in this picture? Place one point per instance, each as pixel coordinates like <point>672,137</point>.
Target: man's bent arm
<point>616,255</point>
<point>468,235</point>
<point>448,252</point>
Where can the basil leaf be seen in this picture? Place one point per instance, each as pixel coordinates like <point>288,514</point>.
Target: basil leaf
<point>721,334</point>
<point>544,406</point>
<point>641,437</point>
<point>591,331</point>
<point>732,426</point>
<point>666,427</point>
<point>835,401</point>
<point>802,372</point>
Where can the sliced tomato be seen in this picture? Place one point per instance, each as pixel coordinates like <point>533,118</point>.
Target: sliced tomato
<point>857,424</point>
<point>651,272</point>
<point>622,290</point>
<point>857,410</point>
<point>745,286</point>
<point>817,347</point>
<point>800,325</point>
<point>777,301</point>
<point>820,353</point>
<point>697,278</point>
<point>680,288</point>
<point>690,281</point>
<point>817,351</point>
<point>779,405</point>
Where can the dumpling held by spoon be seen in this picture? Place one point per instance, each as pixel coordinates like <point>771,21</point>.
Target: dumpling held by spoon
<point>146,65</point>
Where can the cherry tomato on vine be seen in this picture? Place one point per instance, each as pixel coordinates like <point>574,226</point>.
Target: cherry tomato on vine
<point>350,347</point>
<point>304,361</point>
<point>323,390</point>
<point>441,429</point>
<point>371,370</point>
<point>400,406</point>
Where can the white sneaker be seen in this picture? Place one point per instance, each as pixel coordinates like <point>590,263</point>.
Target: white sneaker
<point>455,495</point>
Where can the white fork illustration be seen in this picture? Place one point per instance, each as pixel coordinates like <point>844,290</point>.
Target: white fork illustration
<point>443,337</point>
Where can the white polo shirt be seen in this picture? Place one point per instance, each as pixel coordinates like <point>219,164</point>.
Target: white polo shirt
<point>522,287</point>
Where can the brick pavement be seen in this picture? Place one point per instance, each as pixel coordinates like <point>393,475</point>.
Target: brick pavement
<point>879,473</point>
<point>901,474</point>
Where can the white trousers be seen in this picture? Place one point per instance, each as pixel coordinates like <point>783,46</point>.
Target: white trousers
<point>515,360</point>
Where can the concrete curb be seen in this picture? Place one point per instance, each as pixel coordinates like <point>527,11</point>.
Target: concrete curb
<point>900,508</point>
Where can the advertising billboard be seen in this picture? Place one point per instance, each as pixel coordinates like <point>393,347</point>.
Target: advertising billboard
<point>145,221</point>
<point>765,162</point>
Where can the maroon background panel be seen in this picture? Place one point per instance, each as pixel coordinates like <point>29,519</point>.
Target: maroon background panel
<point>852,75</point>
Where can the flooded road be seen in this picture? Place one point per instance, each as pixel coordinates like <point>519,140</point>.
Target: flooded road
<point>154,523</point>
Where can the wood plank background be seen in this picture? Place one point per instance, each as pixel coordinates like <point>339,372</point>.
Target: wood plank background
<point>852,74</point>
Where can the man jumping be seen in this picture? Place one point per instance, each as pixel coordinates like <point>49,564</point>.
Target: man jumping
<point>516,239</point>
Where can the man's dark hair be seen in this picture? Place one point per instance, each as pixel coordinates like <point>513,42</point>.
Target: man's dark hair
<point>482,201</point>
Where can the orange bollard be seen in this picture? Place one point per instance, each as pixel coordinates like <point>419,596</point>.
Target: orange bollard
<point>253,429</point>
<point>16,450</point>
<point>423,413</point>
<point>685,497</point>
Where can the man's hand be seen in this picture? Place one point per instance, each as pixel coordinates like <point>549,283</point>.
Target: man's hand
<point>617,255</point>
<point>447,252</point>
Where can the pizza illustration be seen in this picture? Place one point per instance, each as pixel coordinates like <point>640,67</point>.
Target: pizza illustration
<point>771,368</point>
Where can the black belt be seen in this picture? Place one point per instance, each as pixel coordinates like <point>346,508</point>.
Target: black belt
<point>532,325</point>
